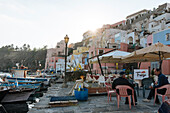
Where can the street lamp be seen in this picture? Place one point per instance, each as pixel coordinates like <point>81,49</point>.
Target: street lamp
<point>66,39</point>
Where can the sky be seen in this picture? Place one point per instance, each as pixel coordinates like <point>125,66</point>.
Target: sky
<point>46,22</point>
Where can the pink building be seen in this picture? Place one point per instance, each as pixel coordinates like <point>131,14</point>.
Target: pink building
<point>149,40</point>
<point>111,67</point>
<point>165,66</point>
<point>54,54</point>
<point>115,25</point>
<point>165,63</point>
<point>49,58</point>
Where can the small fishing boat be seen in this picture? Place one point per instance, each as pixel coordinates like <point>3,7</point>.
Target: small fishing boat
<point>15,100</point>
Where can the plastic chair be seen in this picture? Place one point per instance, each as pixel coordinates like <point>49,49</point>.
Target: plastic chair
<point>3,108</point>
<point>123,93</point>
<point>101,80</point>
<point>109,91</point>
<point>89,78</point>
<point>167,93</point>
<point>136,85</point>
<point>146,82</point>
<point>95,78</point>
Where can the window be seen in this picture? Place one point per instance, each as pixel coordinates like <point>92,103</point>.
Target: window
<point>101,52</point>
<point>91,66</point>
<point>91,54</point>
<point>168,37</point>
<point>130,40</point>
<point>136,17</point>
<point>154,65</point>
<point>150,44</point>
<point>58,46</point>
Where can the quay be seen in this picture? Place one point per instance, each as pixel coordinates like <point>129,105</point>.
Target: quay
<point>94,104</point>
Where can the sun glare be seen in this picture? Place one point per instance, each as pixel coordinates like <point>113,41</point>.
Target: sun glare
<point>93,28</point>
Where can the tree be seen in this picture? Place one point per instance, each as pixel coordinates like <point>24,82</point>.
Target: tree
<point>10,56</point>
<point>16,48</point>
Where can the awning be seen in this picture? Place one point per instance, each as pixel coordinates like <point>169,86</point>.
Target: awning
<point>112,57</point>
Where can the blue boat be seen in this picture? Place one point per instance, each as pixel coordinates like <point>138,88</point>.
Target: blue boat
<point>28,79</point>
<point>21,85</point>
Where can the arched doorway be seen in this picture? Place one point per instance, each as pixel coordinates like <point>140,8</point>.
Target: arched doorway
<point>130,40</point>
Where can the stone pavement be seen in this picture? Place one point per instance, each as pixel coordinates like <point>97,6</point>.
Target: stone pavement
<point>94,104</point>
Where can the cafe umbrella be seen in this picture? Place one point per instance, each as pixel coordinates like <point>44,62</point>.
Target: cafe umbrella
<point>155,52</point>
<point>112,57</point>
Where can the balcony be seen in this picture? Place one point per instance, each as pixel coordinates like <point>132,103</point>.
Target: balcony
<point>60,56</point>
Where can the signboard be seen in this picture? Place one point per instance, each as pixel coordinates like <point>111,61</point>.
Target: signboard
<point>139,74</point>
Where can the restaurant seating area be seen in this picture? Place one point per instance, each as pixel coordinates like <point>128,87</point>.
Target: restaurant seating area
<point>96,103</point>
<point>141,88</point>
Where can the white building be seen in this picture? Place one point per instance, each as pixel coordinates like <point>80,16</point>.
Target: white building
<point>60,66</point>
<point>159,23</point>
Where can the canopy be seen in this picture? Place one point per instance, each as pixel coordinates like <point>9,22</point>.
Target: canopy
<point>153,52</point>
<point>112,57</point>
<point>156,52</point>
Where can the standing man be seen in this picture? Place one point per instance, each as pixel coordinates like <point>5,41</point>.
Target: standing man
<point>123,81</point>
<point>162,80</point>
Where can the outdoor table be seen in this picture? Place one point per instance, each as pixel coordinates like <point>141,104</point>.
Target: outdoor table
<point>111,78</point>
<point>96,77</point>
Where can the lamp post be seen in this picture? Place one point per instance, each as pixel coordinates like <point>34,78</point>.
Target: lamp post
<point>66,39</point>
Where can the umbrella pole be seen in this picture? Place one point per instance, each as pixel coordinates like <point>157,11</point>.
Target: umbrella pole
<point>100,65</point>
<point>160,61</point>
<point>105,68</point>
<point>132,73</point>
<point>139,65</point>
<point>89,66</point>
<point>149,71</point>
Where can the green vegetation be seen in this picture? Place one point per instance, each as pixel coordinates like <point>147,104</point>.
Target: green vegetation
<point>10,55</point>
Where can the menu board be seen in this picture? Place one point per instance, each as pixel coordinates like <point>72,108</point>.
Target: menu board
<point>139,74</point>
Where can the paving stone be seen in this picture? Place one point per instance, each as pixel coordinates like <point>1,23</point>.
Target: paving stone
<point>94,104</point>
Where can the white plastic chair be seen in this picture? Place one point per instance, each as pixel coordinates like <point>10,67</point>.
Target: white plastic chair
<point>101,80</point>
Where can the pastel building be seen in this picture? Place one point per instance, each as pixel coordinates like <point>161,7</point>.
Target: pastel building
<point>132,38</point>
<point>159,23</point>
<point>115,25</point>
<point>53,55</point>
<point>60,66</point>
<point>131,18</point>
<point>50,59</point>
<point>149,40</point>
<point>164,38</point>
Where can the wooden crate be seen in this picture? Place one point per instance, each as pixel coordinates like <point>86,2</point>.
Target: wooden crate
<point>97,91</point>
<point>63,103</point>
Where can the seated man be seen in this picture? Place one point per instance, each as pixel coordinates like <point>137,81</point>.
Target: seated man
<point>162,80</point>
<point>123,81</point>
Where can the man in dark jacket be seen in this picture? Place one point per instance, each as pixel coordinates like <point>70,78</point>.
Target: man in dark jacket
<point>123,81</point>
<point>162,80</point>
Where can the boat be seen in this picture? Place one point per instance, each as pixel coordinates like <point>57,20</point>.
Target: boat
<point>15,100</point>
<point>45,81</point>
<point>3,92</point>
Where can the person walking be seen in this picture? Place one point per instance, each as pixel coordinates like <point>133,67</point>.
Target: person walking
<point>162,80</point>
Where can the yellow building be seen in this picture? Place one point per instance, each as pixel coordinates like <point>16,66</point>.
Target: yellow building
<point>80,50</point>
